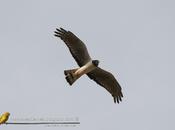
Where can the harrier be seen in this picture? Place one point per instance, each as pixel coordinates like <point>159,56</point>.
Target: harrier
<point>87,66</point>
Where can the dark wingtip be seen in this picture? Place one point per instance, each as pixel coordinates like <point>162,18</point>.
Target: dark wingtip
<point>57,29</point>
<point>56,32</point>
<point>117,99</point>
<point>60,31</point>
<point>114,99</point>
<point>56,35</point>
<point>63,29</point>
<point>121,94</point>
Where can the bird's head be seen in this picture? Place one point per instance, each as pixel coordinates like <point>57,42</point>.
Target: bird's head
<point>6,114</point>
<point>95,62</point>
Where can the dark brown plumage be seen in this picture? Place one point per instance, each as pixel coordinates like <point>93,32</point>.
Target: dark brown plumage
<point>80,54</point>
<point>75,45</point>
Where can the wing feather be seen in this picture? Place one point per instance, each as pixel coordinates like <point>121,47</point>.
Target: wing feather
<point>108,81</point>
<point>76,46</point>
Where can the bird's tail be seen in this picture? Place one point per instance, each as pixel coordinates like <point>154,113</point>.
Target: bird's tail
<point>70,76</point>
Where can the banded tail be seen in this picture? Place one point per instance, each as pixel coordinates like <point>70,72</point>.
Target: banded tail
<point>70,76</point>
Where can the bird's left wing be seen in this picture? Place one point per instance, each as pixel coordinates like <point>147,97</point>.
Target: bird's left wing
<point>108,81</point>
<point>76,46</point>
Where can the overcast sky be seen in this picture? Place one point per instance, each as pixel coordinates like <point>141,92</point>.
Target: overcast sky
<point>133,39</point>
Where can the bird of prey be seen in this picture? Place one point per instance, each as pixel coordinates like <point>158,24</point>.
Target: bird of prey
<point>4,117</point>
<point>87,66</point>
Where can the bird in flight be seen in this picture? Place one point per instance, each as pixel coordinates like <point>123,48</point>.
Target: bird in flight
<point>4,117</point>
<point>87,66</point>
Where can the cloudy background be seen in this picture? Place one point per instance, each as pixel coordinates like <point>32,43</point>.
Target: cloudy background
<point>132,39</point>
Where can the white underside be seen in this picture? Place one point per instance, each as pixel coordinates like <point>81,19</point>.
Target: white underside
<point>85,69</point>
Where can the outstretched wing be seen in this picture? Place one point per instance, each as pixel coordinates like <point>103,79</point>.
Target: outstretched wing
<point>75,45</point>
<point>108,81</point>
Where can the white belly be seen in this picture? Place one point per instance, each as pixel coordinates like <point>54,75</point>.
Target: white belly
<point>85,69</point>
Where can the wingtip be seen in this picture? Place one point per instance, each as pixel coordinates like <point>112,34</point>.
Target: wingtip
<point>117,99</point>
<point>62,29</point>
<point>56,35</point>
<point>121,94</point>
<point>57,29</point>
<point>114,99</point>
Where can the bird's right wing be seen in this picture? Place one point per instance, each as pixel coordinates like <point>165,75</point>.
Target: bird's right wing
<point>108,81</point>
<point>75,45</point>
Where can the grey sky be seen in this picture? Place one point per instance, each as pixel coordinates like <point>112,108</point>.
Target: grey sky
<point>132,39</point>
